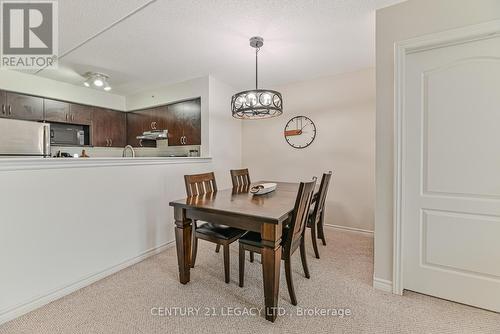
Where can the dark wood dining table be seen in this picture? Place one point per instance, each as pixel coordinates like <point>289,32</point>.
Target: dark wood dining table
<point>237,207</point>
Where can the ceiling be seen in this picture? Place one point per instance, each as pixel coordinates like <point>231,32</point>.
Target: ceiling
<point>145,43</point>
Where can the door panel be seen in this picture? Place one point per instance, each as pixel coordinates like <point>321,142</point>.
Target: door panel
<point>118,128</point>
<point>24,107</point>
<point>3,104</point>
<point>56,111</point>
<point>137,123</point>
<point>80,114</point>
<point>451,178</point>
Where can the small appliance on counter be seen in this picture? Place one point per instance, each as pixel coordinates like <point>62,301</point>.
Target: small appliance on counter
<point>24,138</point>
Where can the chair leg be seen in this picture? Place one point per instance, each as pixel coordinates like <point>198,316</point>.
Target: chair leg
<point>289,282</point>
<point>226,262</point>
<point>194,250</point>
<point>217,248</point>
<point>303,257</point>
<point>313,238</point>
<point>242,265</point>
<point>251,256</point>
<point>320,228</point>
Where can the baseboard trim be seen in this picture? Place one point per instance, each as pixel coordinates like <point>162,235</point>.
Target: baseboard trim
<point>38,302</point>
<point>382,284</point>
<point>352,229</point>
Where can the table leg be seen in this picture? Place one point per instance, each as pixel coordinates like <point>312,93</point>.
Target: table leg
<point>271,261</point>
<point>183,242</point>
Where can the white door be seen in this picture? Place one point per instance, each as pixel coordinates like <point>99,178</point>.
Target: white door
<point>451,173</point>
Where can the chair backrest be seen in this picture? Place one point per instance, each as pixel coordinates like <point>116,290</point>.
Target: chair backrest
<point>200,184</point>
<point>299,216</point>
<point>240,177</point>
<point>320,201</point>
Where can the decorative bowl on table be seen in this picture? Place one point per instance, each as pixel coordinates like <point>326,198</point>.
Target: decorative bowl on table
<point>263,188</point>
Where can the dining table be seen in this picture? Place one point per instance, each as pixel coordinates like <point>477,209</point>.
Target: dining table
<point>237,207</point>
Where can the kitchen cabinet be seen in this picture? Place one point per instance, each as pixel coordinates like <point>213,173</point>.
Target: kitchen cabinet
<point>80,114</point>
<point>185,123</point>
<point>19,106</point>
<point>64,112</point>
<point>3,104</point>
<point>108,128</point>
<point>137,123</point>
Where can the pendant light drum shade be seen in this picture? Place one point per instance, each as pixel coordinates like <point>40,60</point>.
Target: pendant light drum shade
<point>257,104</point>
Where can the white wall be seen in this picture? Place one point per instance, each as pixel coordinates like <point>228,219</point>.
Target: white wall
<point>35,85</point>
<point>343,109</point>
<point>396,23</point>
<point>61,226</point>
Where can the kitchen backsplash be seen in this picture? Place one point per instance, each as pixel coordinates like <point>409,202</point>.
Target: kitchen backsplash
<point>162,150</point>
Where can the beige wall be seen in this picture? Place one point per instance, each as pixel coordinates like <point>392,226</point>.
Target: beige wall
<point>396,23</point>
<point>343,109</point>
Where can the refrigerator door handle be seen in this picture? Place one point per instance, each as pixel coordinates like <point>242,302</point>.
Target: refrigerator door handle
<point>46,140</point>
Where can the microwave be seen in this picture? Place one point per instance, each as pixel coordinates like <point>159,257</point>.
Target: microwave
<point>69,134</point>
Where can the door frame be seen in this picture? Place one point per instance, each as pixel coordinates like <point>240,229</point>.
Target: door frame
<point>401,50</point>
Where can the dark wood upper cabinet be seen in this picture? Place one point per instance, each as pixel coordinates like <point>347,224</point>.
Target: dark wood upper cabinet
<point>56,111</point>
<point>64,112</point>
<point>185,123</point>
<point>137,123</point>
<point>3,104</point>
<point>25,107</point>
<point>80,114</point>
<point>108,128</point>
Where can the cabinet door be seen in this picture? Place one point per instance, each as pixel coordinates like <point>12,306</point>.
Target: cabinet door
<point>185,123</point>
<point>56,111</point>
<point>176,126</point>
<point>100,127</point>
<point>159,118</point>
<point>192,122</point>
<point>3,104</point>
<point>118,129</point>
<point>26,107</point>
<point>80,114</point>
<point>137,123</point>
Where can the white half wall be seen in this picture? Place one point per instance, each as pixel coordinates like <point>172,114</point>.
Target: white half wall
<point>343,109</point>
<point>35,85</point>
<point>409,19</point>
<point>61,228</point>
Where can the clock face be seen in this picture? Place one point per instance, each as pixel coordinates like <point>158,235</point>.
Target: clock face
<point>300,132</point>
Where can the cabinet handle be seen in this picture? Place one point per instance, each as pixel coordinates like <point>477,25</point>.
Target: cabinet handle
<point>140,142</point>
<point>66,116</point>
<point>107,142</point>
<point>111,142</point>
<point>10,110</point>
<point>72,117</point>
<point>3,109</point>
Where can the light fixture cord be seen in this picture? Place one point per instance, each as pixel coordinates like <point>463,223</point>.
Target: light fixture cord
<point>256,68</point>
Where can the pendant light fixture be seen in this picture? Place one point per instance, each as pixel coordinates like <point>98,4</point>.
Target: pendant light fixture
<point>256,103</point>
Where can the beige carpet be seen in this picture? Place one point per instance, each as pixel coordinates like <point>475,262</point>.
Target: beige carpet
<point>340,279</point>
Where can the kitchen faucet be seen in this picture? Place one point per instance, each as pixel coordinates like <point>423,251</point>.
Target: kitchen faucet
<point>125,151</point>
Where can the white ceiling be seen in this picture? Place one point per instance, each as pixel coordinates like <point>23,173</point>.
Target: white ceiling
<point>174,40</point>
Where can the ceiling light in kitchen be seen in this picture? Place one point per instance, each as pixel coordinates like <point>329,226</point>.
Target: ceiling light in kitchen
<point>97,80</point>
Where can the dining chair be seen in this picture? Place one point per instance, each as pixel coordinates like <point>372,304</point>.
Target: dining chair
<point>203,184</point>
<point>292,238</point>
<point>240,177</point>
<point>317,214</point>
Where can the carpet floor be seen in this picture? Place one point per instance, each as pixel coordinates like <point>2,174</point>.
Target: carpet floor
<point>138,299</point>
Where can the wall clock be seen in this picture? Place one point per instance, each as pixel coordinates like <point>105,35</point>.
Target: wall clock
<point>300,132</point>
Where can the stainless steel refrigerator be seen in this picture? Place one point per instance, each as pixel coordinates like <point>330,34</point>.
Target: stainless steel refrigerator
<point>24,138</point>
